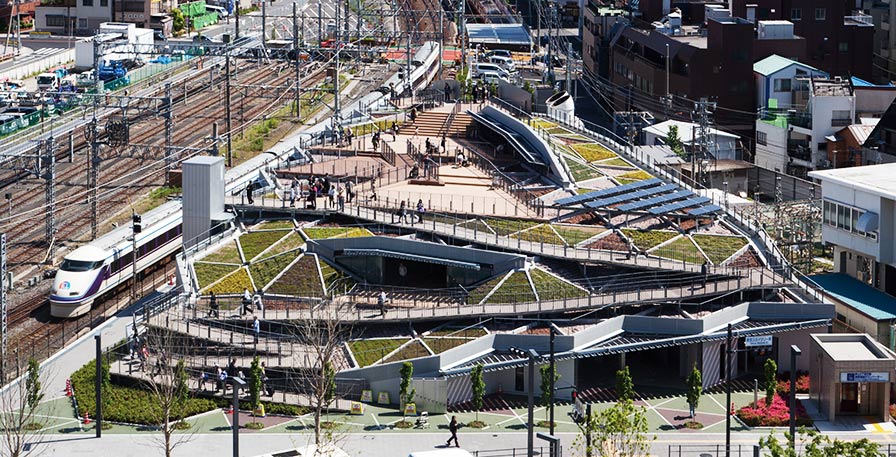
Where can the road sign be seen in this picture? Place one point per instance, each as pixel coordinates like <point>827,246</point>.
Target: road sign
<point>758,341</point>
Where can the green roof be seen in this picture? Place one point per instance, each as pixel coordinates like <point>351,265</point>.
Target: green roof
<point>775,63</point>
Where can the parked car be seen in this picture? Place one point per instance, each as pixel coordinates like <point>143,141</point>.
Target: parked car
<point>504,62</point>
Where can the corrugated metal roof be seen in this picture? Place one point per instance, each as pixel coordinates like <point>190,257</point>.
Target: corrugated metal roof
<point>775,63</point>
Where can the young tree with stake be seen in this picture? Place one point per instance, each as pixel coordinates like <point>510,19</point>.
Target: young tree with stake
<point>546,389</point>
<point>625,388</point>
<point>478,386</point>
<point>21,426</point>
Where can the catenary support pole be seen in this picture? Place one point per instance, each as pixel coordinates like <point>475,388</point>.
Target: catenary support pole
<point>728,353</point>
<point>552,369</point>
<point>531,389</point>
<point>98,385</point>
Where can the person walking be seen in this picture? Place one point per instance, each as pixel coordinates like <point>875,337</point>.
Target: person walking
<point>222,380</point>
<point>349,192</point>
<point>213,305</point>
<point>256,329</point>
<point>420,210</point>
<point>292,196</point>
<point>256,299</point>
<point>340,198</point>
<point>394,130</point>
<point>402,213</point>
<point>447,92</point>
<point>381,301</point>
<point>452,427</point>
<point>247,302</point>
<point>372,192</point>
<point>704,272</point>
<point>249,188</point>
<point>444,149</point>
<point>331,197</point>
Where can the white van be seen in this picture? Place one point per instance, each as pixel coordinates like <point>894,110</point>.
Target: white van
<point>492,68</point>
<point>447,452</point>
<point>505,62</point>
<point>490,77</point>
<point>222,13</point>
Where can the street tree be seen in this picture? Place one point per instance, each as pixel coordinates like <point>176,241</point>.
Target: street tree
<point>405,391</point>
<point>771,381</point>
<point>674,141</point>
<point>255,382</point>
<point>319,349</point>
<point>20,423</point>
<point>546,384</point>
<point>625,388</point>
<point>694,389</point>
<point>478,386</point>
<point>618,431</point>
<point>814,444</point>
<point>168,387</point>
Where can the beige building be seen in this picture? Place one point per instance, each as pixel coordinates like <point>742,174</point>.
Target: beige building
<point>850,375</point>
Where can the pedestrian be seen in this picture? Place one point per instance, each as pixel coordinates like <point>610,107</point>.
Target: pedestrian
<point>247,302</point>
<point>381,301</point>
<point>420,210</point>
<point>394,130</point>
<point>444,149</point>
<point>349,192</point>
<point>203,378</point>
<point>256,329</point>
<point>249,188</point>
<point>704,272</point>
<point>402,211</point>
<point>372,191</point>
<point>222,380</point>
<point>219,380</point>
<point>340,198</point>
<point>428,145</point>
<point>416,131</point>
<point>452,427</point>
<point>413,115</point>
<point>447,91</point>
<point>331,196</point>
<point>231,368</point>
<point>257,300</point>
<point>292,197</point>
<point>144,356</point>
<point>213,305</point>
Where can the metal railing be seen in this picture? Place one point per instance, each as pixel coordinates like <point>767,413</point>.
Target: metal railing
<point>501,181</point>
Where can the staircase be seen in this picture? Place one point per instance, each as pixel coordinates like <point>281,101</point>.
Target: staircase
<point>460,124</point>
<point>429,123</point>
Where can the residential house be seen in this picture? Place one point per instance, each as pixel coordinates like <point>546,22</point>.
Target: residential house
<point>777,78</point>
<point>884,63</point>
<point>72,17</point>
<point>723,145</point>
<point>845,147</point>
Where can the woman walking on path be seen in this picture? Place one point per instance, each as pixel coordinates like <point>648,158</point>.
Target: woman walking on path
<point>453,428</point>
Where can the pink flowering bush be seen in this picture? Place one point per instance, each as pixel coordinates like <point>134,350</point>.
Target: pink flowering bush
<point>802,383</point>
<point>776,415</point>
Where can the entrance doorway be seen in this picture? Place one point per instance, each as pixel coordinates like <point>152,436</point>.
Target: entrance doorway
<point>849,399</point>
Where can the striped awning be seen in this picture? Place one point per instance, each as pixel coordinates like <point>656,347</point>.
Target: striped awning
<point>355,252</point>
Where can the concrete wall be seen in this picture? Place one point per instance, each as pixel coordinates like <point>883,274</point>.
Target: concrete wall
<point>39,66</point>
<point>801,339</point>
<point>773,154</point>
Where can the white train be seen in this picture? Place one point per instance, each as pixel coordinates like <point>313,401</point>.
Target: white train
<point>95,269</point>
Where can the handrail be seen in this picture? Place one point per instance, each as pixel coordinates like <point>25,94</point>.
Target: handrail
<point>506,183</point>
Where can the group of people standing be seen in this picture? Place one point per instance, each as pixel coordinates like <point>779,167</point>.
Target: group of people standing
<point>405,216</point>
<point>335,194</point>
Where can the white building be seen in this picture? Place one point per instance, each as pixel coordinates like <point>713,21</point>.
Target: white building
<point>723,145</point>
<point>859,218</point>
<point>793,140</point>
<point>80,16</point>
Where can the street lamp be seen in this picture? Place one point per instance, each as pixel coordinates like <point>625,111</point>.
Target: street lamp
<point>794,353</point>
<point>237,383</point>
<point>531,391</point>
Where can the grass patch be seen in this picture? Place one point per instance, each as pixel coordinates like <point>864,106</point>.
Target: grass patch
<point>637,175</point>
<point>371,127</point>
<point>515,290</point>
<point>476,225</point>
<point>301,280</point>
<point>254,426</point>
<point>227,254</point>
<point>582,172</point>
<point>542,124</point>
<point>264,272</point>
<point>719,248</point>
<point>332,276</point>
<point>320,233</point>
<point>550,287</point>
<point>593,152</point>
<point>476,295</point>
<point>477,424</point>
<point>681,249</point>
<point>507,226</point>
<point>207,273</point>
<point>412,350</point>
<point>234,283</point>
<point>474,332</point>
<point>576,234</point>
<point>291,242</point>
<point>616,162</point>
<point>540,234</point>
<point>277,225</point>
<point>255,242</point>
<point>624,181</point>
<point>693,425</point>
<point>649,239</point>
<point>440,345</point>
<point>367,352</point>
<point>403,424</point>
<point>164,192</point>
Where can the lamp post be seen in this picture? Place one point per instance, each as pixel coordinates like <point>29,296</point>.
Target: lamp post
<point>552,368</point>
<point>794,353</point>
<point>728,353</point>
<point>236,383</point>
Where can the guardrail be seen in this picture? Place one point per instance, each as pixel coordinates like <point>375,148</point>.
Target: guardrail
<point>506,183</point>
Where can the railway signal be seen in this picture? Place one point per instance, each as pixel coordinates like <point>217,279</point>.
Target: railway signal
<point>138,225</point>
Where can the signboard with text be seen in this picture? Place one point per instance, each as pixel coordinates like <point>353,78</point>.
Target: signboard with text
<point>367,395</point>
<point>882,376</point>
<point>758,341</point>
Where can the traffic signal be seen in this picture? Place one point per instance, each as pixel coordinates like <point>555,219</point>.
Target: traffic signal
<point>400,72</point>
<point>137,220</point>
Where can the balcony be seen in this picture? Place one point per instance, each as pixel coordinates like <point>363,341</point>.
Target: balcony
<point>783,119</point>
<point>841,122</point>
<point>859,19</point>
<point>799,149</point>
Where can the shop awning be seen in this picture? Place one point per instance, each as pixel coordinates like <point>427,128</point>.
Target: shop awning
<point>868,222</point>
<point>409,257</point>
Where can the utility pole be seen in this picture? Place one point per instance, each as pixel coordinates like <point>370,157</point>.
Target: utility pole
<point>4,309</point>
<point>264,22</point>
<point>568,72</point>
<point>228,127</point>
<point>295,50</point>
<point>320,19</point>
<point>728,353</point>
<point>94,171</point>
<point>236,30</point>
<point>166,114</point>
<point>704,113</point>
<point>336,124</point>
<point>552,369</point>
<point>441,42</point>
<point>49,170</point>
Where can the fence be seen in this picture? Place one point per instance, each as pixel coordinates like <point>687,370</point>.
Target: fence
<point>506,183</point>
<point>745,450</point>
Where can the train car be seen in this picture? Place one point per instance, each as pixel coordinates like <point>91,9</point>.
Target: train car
<point>98,268</point>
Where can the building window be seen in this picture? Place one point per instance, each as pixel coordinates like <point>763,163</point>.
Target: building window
<point>762,138</point>
<point>820,14</point>
<point>844,47</point>
<point>82,23</point>
<point>845,218</point>
<point>87,2</point>
<point>782,85</point>
<point>104,3</point>
<point>55,20</point>
<point>840,118</point>
<point>796,14</point>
